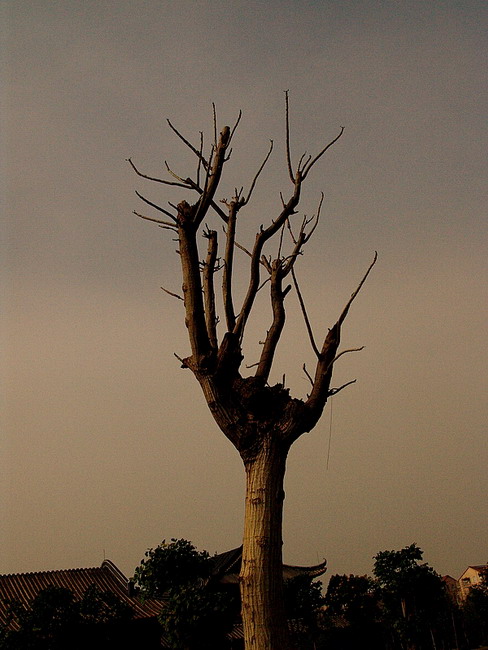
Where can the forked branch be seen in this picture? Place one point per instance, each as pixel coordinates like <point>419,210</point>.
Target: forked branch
<point>179,183</point>
<point>198,279</point>
<point>213,176</point>
<point>198,153</point>
<point>303,168</point>
<point>328,355</point>
<point>334,391</point>
<point>308,166</point>
<point>163,224</point>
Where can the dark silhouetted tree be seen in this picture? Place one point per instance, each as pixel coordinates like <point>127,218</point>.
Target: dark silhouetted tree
<point>414,597</point>
<point>197,613</point>
<point>352,615</point>
<point>170,566</point>
<point>261,420</point>
<point>475,612</point>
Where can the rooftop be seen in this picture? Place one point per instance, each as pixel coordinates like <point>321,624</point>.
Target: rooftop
<point>24,587</point>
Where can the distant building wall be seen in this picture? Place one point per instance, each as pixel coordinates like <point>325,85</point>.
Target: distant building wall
<point>452,588</point>
<point>472,577</point>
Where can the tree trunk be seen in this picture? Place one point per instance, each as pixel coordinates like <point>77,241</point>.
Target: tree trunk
<point>261,578</point>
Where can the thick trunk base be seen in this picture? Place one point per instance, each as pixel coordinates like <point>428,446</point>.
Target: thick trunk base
<point>261,579</point>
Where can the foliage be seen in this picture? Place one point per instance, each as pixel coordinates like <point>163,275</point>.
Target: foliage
<point>395,569</point>
<point>196,617</point>
<point>100,607</point>
<point>303,598</point>
<point>413,596</point>
<point>405,606</point>
<point>56,621</point>
<point>46,623</point>
<point>197,614</point>
<point>353,598</point>
<point>170,566</point>
<point>475,612</point>
<point>303,604</point>
<point>352,614</point>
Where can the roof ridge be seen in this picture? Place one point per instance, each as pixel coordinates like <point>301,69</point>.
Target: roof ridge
<point>115,571</point>
<point>312,567</point>
<point>51,571</point>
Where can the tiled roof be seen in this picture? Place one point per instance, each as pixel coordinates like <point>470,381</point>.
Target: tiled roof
<point>228,562</point>
<point>227,566</point>
<point>477,567</point>
<point>24,587</point>
<point>448,579</point>
<point>310,571</point>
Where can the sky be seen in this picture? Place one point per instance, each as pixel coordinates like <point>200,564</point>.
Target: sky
<point>107,447</point>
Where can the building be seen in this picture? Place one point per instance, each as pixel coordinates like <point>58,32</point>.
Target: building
<point>143,629</point>
<point>227,566</point>
<point>471,577</point>
<point>23,588</point>
<point>452,588</point>
<point>225,570</point>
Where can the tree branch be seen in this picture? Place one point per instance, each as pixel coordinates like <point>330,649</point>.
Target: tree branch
<point>261,238</point>
<point>323,373</point>
<point>334,391</point>
<point>200,156</point>
<point>308,166</point>
<point>346,352</point>
<point>157,180</point>
<point>258,173</point>
<point>274,332</point>
<point>355,293</point>
<point>234,128</point>
<point>228,267</point>
<point>305,315</point>
<point>316,219</point>
<point>308,374</point>
<point>192,286</point>
<point>175,295</point>
<point>288,154</point>
<point>157,207</point>
<point>182,182</point>
<point>208,287</point>
<point>164,224</point>
<point>190,146</point>
<point>213,177</point>
<point>214,113</point>
<point>299,167</point>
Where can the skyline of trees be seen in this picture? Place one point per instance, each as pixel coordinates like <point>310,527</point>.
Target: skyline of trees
<point>403,605</point>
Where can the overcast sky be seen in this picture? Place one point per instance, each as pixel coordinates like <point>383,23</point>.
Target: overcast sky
<point>107,445</point>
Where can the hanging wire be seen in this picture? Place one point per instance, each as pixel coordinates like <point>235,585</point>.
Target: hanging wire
<point>330,431</point>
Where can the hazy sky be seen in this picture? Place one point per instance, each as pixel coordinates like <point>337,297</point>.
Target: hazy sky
<point>107,445</point>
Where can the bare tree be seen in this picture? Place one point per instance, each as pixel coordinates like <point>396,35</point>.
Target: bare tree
<point>261,420</point>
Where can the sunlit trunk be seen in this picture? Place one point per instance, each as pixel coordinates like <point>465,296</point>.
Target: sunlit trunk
<point>261,579</point>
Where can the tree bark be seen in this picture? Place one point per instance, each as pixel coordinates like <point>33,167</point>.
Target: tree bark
<point>261,577</point>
